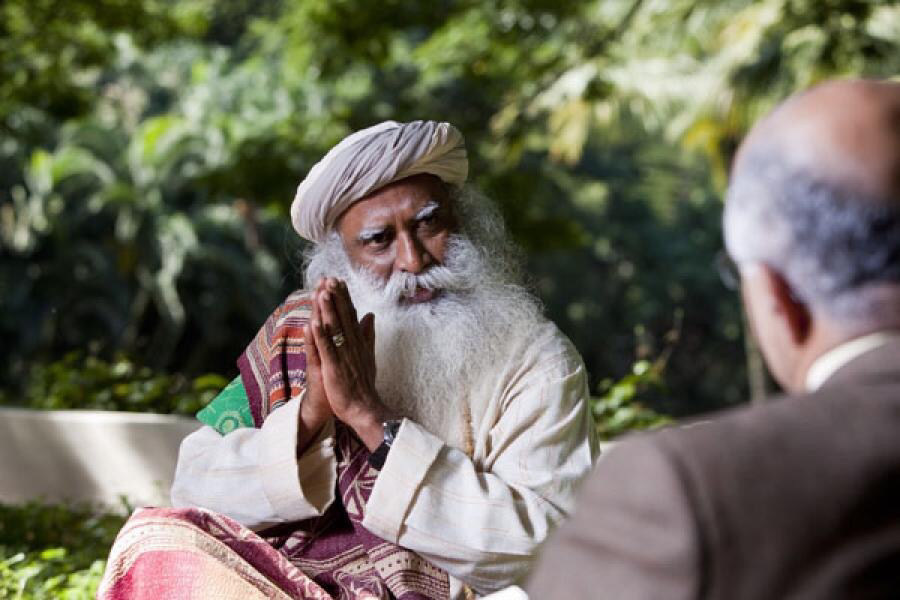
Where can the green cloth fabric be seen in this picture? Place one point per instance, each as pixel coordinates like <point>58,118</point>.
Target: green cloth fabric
<point>229,410</point>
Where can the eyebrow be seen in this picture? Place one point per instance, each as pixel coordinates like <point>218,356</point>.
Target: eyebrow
<point>426,211</point>
<point>368,234</point>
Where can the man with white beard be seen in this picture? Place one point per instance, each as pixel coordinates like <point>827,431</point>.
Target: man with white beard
<point>424,349</point>
<point>434,475</point>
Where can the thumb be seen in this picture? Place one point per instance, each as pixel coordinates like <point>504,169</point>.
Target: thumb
<point>368,330</point>
<point>309,345</point>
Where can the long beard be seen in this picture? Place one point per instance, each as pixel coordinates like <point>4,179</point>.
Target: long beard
<point>431,356</point>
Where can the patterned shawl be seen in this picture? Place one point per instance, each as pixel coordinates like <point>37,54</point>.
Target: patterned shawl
<point>195,553</point>
<point>335,550</point>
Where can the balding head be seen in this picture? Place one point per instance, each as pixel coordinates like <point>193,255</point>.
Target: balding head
<point>846,133</point>
<point>815,195</point>
<point>813,220</point>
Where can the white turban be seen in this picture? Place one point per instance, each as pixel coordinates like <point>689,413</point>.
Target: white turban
<point>372,158</point>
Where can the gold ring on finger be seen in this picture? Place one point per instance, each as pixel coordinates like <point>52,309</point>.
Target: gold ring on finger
<point>338,339</point>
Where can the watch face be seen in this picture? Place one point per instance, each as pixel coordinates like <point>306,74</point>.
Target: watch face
<point>390,429</point>
<point>377,458</point>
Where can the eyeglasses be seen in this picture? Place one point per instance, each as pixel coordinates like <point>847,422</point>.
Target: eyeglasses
<point>728,271</point>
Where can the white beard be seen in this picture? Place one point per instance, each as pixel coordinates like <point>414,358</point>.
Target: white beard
<point>430,356</point>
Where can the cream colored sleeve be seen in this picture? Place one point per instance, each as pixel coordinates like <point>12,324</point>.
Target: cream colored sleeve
<point>483,526</point>
<point>253,475</point>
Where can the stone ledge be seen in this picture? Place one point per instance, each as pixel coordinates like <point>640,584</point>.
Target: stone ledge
<point>89,456</point>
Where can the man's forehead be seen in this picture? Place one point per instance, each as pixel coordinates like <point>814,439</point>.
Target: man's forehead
<point>413,197</point>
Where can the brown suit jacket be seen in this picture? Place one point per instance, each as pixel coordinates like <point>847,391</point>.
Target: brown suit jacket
<point>799,498</point>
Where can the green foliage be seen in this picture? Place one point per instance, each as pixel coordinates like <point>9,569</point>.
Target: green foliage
<point>148,259</point>
<point>53,551</point>
<point>617,410</point>
<point>151,153</point>
<point>622,405</point>
<point>78,382</point>
<point>49,573</point>
<point>52,53</point>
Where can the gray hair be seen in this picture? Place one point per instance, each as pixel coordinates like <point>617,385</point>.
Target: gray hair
<point>479,220</point>
<point>424,351</point>
<point>831,245</point>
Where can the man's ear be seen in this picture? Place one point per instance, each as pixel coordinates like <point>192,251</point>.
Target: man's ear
<point>788,307</point>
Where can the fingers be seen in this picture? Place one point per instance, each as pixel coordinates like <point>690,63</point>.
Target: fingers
<point>309,345</point>
<point>347,303</point>
<point>324,344</point>
<point>320,326</point>
<point>328,314</point>
<point>367,325</point>
<point>345,311</point>
<point>309,340</point>
<point>334,313</point>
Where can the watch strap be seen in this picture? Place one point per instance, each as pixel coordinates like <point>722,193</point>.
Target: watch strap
<point>379,456</point>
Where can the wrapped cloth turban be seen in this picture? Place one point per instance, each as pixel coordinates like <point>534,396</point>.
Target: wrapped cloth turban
<point>370,159</point>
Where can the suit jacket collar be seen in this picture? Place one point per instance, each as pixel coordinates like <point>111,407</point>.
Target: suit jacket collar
<point>878,364</point>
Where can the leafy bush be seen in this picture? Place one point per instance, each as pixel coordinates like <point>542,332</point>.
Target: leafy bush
<point>54,551</point>
<point>48,574</point>
<point>617,410</point>
<point>87,382</point>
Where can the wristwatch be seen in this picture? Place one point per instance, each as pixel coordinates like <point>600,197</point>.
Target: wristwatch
<point>377,458</point>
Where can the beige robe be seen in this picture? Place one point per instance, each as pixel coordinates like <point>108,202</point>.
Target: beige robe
<point>479,518</point>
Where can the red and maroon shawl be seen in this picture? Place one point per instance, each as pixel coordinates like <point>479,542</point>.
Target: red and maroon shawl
<point>332,556</point>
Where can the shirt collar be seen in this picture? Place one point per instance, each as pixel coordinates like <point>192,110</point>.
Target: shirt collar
<point>829,363</point>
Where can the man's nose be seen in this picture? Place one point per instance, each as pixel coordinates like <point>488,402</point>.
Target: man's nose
<point>412,257</point>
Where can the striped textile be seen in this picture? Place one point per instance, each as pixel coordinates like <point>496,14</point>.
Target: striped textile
<point>229,410</point>
<point>194,553</point>
<point>184,553</point>
<point>273,367</point>
<point>344,557</point>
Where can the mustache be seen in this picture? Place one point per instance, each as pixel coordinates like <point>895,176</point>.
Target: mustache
<point>438,277</point>
<point>460,271</point>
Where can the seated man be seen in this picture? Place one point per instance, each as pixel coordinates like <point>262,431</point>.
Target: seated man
<point>423,451</point>
<point>798,498</point>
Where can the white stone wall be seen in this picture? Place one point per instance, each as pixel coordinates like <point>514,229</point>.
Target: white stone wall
<point>92,456</point>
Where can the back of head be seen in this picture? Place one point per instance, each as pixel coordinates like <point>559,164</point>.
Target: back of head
<point>815,195</point>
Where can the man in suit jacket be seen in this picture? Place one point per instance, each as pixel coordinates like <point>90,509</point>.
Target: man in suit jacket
<point>797,498</point>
